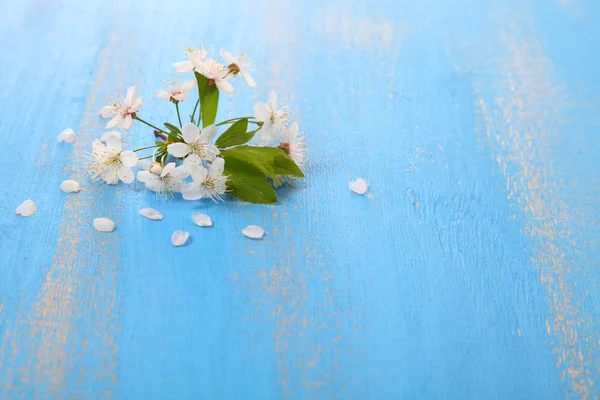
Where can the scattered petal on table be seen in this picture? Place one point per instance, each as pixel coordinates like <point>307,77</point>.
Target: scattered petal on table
<point>26,208</point>
<point>67,136</point>
<point>359,185</point>
<point>253,232</point>
<point>179,238</point>
<point>151,213</point>
<point>201,219</point>
<point>104,225</point>
<point>70,186</point>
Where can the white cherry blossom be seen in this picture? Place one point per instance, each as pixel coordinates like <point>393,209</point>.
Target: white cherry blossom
<point>207,184</point>
<point>166,181</point>
<point>67,136</point>
<point>195,146</point>
<point>292,144</point>
<point>239,64</point>
<point>175,90</point>
<point>273,115</point>
<point>120,112</point>
<point>195,58</point>
<point>111,164</point>
<point>217,74</point>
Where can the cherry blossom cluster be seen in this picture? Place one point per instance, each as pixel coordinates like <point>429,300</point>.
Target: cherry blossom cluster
<point>252,156</point>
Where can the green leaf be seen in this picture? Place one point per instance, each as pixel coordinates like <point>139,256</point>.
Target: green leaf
<point>172,128</point>
<point>209,100</point>
<point>159,143</point>
<point>244,154</point>
<point>235,135</point>
<point>278,159</point>
<point>247,183</point>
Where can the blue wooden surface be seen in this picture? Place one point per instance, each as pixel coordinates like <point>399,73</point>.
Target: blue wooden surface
<point>470,269</point>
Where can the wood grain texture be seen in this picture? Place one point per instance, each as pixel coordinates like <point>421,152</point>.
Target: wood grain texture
<point>469,270</point>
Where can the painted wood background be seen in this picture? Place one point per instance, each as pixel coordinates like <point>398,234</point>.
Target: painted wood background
<point>470,270</point>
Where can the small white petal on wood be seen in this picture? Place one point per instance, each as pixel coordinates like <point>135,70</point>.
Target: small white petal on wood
<point>201,219</point>
<point>359,185</point>
<point>70,186</point>
<point>253,232</point>
<point>179,238</point>
<point>151,213</point>
<point>26,208</point>
<point>103,225</point>
<point>67,136</point>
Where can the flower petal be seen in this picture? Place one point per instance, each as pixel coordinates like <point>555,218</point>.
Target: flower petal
<point>192,191</point>
<point>227,56</point>
<point>273,101</point>
<point>103,225</point>
<point>113,144</point>
<point>201,219</point>
<point>126,122</point>
<point>359,185</point>
<point>162,94</point>
<point>225,86</point>
<point>183,66</point>
<point>145,176</point>
<point>179,238</point>
<point>26,208</point>
<point>199,174</point>
<point>167,169</point>
<point>151,213</point>
<point>144,164</point>
<point>192,162</point>
<point>178,149</point>
<point>125,174</point>
<point>128,158</point>
<point>137,104</point>
<point>70,186</point>
<point>248,79</point>
<point>188,85</point>
<point>208,133</point>
<point>180,172</point>
<point>262,112</point>
<point>107,111</point>
<point>190,133</point>
<point>216,168</point>
<point>253,232</point>
<point>106,135</point>
<point>130,95</point>
<point>67,136</point>
<point>116,120</point>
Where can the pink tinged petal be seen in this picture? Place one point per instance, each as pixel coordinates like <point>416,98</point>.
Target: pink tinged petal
<point>227,56</point>
<point>70,186</point>
<point>162,94</point>
<point>104,225</point>
<point>359,186</point>
<point>179,238</point>
<point>248,79</point>
<point>181,96</point>
<point>253,232</point>
<point>137,104</point>
<point>190,133</point>
<point>113,144</point>
<point>151,213</point>
<point>184,66</point>
<point>225,86</point>
<point>262,112</point>
<point>167,169</point>
<point>67,136</point>
<point>273,101</point>
<point>26,208</point>
<point>108,134</point>
<point>191,162</point>
<point>116,120</point>
<point>217,167</point>
<point>208,133</point>
<point>192,191</point>
<point>178,149</point>
<point>129,158</point>
<point>145,176</point>
<point>199,174</point>
<point>125,174</point>
<point>108,111</point>
<point>126,122</point>
<point>201,219</point>
<point>131,95</point>
<point>188,85</point>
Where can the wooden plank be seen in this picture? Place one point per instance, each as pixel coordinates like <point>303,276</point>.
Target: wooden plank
<point>468,270</point>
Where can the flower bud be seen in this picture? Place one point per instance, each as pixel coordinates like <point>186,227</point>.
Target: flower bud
<point>155,168</point>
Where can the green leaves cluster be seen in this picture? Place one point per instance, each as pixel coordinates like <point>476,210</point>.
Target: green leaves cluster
<point>252,171</point>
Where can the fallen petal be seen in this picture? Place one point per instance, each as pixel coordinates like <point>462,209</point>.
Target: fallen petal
<point>201,219</point>
<point>179,238</point>
<point>253,232</point>
<point>151,213</point>
<point>26,208</point>
<point>103,225</point>
<point>67,136</point>
<point>70,186</point>
<point>359,185</point>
